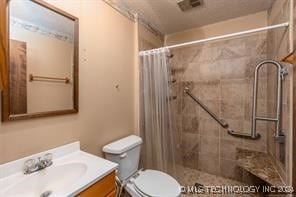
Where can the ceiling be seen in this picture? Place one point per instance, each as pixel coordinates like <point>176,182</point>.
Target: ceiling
<point>167,17</point>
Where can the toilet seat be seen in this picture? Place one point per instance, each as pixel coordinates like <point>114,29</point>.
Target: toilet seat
<point>153,183</point>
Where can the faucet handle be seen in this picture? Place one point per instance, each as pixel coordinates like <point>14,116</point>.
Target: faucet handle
<point>47,157</point>
<point>29,165</point>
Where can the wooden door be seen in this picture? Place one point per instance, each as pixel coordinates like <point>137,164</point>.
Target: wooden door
<point>18,77</point>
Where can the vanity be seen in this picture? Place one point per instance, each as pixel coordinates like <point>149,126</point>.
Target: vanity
<point>72,173</point>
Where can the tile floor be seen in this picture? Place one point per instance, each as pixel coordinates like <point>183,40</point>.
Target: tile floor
<point>189,177</point>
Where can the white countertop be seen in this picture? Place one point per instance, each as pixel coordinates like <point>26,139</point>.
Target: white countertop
<point>11,173</point>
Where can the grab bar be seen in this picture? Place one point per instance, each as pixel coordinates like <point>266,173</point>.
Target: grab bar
<point>279,136</point>
<point>220,121</point>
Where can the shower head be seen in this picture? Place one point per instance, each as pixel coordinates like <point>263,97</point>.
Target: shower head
<point>185,5</point>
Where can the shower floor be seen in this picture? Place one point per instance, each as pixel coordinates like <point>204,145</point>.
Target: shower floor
<point>190,177</point>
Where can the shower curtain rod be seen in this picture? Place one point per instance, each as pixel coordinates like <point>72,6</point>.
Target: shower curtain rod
<point>227,36</point>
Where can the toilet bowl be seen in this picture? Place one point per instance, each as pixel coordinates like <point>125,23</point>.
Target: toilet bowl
<point>153,183</point>
<point>139,183</point>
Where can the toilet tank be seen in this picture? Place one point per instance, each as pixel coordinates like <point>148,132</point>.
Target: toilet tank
<point>126,153</point>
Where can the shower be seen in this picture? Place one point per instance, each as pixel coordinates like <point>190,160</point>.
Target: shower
<point>215,111</point>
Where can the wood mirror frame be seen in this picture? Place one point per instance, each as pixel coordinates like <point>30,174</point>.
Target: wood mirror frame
<point>5,69</point>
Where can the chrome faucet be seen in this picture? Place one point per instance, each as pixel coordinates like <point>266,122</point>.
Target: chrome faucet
<point>33,165</point>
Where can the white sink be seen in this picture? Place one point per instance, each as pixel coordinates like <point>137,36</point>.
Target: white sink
<point>50,180</point>
<point>72,172</point>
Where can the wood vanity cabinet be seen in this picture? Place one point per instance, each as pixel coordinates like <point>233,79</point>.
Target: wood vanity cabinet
<point>103,188</point>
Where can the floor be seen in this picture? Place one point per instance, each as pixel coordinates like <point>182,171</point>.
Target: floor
<point>189,177</point>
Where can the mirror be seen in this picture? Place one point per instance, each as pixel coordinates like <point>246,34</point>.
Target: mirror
<point>42,61</point>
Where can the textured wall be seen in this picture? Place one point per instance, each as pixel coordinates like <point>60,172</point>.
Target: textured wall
<point>221,75</point>
<point>278,47</point>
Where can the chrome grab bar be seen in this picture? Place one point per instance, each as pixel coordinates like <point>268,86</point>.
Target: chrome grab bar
<point>220,121</point>
<point>279,136</point>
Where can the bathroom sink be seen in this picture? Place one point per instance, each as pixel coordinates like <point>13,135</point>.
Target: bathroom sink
<point>47,181</point>
<point>72,171</point>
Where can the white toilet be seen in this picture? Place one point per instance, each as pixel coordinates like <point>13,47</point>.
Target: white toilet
<point>146,183</point>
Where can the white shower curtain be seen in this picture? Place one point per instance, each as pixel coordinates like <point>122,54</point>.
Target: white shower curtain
<point>157,129</point>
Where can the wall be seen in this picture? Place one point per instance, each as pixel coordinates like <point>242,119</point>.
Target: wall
<point>280,44</point>
<point>221,75</point>
<point>225,27</point>
<point>55,61</point>
<point>293,95</point>
<point>107,57</point>
<point>199,60</point>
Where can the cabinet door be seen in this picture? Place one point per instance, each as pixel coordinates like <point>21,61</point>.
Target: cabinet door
<point>102,188</point>
<point>112,194</point>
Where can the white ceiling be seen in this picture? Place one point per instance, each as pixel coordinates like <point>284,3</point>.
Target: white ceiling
<point>167,17</point>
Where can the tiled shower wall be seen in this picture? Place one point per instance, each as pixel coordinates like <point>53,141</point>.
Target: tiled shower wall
<point>221,75</point>
<point>277,48</point>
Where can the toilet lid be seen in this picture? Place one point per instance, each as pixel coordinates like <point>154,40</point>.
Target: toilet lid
<point>157,184</point>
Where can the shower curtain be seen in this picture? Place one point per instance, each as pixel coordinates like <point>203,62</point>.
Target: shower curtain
<point>156,121</point>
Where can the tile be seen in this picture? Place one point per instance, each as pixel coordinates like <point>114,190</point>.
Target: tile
<point>286,119</point>
<point>191,72</point>
<point>271,108</point>
<point>251,63</point>
<point>262,108</point>
<point>209,127</point>
<point>190,124</point>
<point>248,110</point>
<point>209,164</point>
<point>189,177</point>
<point>189,150</point>
<point>189,106</point>
<point>209,70</point>
<point>233,69</point>
<point>256,45</point>
<point>255,145</point>
<point>232,51</point>
<point>177,119</point>
<point>286,91</point>
<point>235,89</point>
<point>209,90</point>
<point>229,169</point>
<point>228,148</point>
<point>207,53</point>
<point>232,109</point>
<point>262,88</point>
<point>209,146</point>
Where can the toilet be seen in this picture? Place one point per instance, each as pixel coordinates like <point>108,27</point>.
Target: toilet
<point>139,183</point>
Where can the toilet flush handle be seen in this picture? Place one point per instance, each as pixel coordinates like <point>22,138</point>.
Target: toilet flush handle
<point>123,155</point>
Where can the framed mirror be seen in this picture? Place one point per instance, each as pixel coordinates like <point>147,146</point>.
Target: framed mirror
<point>41,61</point>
